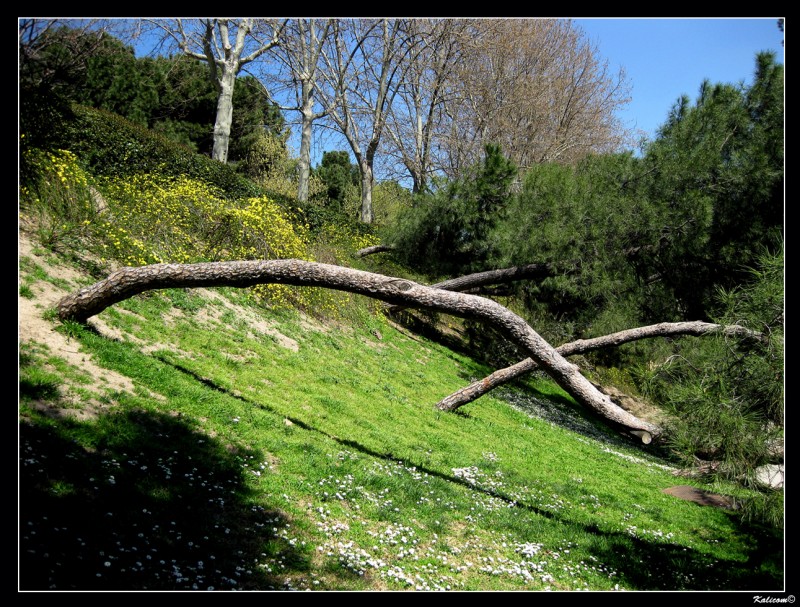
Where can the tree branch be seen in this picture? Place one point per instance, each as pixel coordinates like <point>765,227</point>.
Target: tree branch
<point>127,282</point>
<point>478,388</point>
<point>480,279</point>
<point>491,277</point>
<point>378,248</point>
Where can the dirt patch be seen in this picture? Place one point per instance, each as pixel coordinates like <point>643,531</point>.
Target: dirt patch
<point>255,323</point>
<point>34,328</point>
<point>281,339</point>
<point>699,496</point>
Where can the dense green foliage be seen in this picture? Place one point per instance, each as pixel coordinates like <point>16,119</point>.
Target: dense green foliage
<point>115,81</point>
<point>112,146</point>
<point>170,95</point>
<point>726,393</point>
<point>715,177</point>
<point>450,231</point>
<point>339,176</point>
<point>587,220</point>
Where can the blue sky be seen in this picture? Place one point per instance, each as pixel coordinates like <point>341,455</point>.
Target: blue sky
<point>665,58</point>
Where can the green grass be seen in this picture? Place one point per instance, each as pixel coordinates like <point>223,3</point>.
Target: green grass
<point>259,450</point>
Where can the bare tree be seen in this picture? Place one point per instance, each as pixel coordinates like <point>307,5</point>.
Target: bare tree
<point>297,60</point>
<point>127,282</point>
<point>226,45</point>
<point>419,115</point>
<point>363,65</point>
<point>539,89</point>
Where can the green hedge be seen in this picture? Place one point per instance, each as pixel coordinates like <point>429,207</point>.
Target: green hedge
<point>112,146</point>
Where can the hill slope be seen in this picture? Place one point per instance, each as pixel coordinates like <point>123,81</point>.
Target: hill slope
<point>193,440</point>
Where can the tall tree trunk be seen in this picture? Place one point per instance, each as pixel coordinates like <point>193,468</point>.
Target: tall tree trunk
<point>222,126</point>
<point>304,161</point>
<point>209,40</point>
<point>367,214</point>
<point>128,282</point>
<point>418,172</point>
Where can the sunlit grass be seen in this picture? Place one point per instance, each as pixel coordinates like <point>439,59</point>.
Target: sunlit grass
<point>262,450</point>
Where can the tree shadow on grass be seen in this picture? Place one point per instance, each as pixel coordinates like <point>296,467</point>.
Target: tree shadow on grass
<point>639,562</point>
<point>566,413</point>
<point>97,499</point>
<point>140,501</point>
<point>653,565</point>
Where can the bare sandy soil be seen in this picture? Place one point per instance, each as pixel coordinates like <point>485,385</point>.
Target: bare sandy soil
<point>33,328</point>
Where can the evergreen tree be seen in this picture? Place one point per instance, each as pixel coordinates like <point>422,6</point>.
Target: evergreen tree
<point>172,95</point>
<point>716,175</point>
<point>588,221</point>
<point>449,231</point>
<point>339,176</point>
<point>114,81</point>
<point>726,394</point>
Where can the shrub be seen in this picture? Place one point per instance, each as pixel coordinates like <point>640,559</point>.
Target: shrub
<point>727,393</point>
<point>152,218</point>
<point>55,196</point>
<point>112,146</point>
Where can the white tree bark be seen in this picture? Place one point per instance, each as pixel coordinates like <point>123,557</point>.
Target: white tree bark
<point>367,214</point>
<point>212,41</point>
<point>362,69</point>
<point>224,120</point>
<point>306,131</point>
<point>298,61</point>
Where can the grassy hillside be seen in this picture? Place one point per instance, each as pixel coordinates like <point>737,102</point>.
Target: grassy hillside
<point>288,440</point>
<point>191,439</point>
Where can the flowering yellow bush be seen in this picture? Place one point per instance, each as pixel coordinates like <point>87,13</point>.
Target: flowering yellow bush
<point>151,218</point>
<point>156,219</point>
<point>345,239</point>
<point>59,168</point>
<point>56,195</point>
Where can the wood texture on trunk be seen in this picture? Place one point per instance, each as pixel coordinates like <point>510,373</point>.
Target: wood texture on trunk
<point>378,248</point>
<point>491,277</point>
<point>127,282</point>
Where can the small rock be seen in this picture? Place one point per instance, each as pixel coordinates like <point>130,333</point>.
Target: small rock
<point>770,475</point>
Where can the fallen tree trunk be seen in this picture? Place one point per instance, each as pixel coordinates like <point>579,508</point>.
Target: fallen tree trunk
<point>491,277</point>
<point>478,388</point>
<point>378,248</point>
<point>127,282</point>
